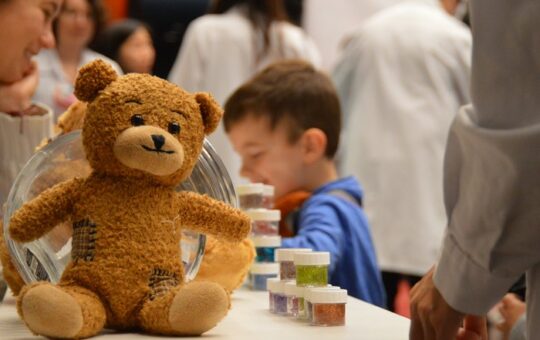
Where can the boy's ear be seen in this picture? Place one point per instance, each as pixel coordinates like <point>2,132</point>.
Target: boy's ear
<point>92,78</point>
<point>210,110</point>
<point>313,144</point>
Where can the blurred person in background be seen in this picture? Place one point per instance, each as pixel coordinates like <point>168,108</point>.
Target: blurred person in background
<point>25,28</point>
<point>129,43</point>
<point>402,77</point>
<point>226,47</point>
<point>77,25</point>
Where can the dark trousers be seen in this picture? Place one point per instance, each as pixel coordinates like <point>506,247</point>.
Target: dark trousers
<point>390,281</point>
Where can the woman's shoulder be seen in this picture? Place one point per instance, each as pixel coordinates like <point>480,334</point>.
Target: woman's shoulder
<point>219,22</point>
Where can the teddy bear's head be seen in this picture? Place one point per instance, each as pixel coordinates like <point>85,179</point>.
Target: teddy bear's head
<point>142,126</point>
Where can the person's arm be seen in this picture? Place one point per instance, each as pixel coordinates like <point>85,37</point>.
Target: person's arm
<point>319,230</point>
<point>492,187</point>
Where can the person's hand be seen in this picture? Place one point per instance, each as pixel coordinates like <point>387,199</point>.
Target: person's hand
<point>17,96</point>
<point>432,318</point>
<point>474,328</point>
<point>511,309</point>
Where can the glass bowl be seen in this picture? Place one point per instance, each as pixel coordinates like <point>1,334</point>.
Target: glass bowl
<point>62,159</point>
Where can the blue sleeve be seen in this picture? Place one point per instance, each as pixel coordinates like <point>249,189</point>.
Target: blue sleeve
<point>319,229</point>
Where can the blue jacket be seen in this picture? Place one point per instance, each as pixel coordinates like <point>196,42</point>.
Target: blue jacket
<point>330,222</point>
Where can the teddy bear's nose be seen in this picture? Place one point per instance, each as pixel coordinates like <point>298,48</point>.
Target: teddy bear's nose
<point>159,140</point>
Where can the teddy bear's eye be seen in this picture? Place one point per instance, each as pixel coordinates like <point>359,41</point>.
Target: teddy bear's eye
<point>137,120</point>
<point>174,128</point>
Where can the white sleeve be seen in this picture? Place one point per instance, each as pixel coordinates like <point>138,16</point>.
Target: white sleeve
<point>188,68</point>
<point>492,165</point>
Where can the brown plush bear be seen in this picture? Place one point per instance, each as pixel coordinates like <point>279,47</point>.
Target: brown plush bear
<point>142,136</point>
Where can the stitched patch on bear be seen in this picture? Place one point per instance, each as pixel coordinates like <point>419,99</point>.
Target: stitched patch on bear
<point>83,243</point>
<point>161,281</point>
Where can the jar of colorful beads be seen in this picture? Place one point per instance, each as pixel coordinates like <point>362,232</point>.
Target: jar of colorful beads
<point>312,268</point>
<point>308,306</point>
<point>264,221</point>
<point>273,287</point>
<point>250,196</point>
<point>265,247</point>
<point>295,299</point>
<point>260,272</point>
<point>287,270</point>
<point>268,196</point>
<point>328,307</point>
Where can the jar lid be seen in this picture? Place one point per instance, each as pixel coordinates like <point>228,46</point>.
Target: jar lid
<point>264,268</point>
<point>291,289</point>
<point>251,188</point>
<point>315,258</point>
<point>307,290</point>
<point>268,190</point>
<point>286,254</point>
<point>276,285</point>
<point>264,214</point>
<point>272,284</point>
<point>328,296</point>
<point>266,241</point>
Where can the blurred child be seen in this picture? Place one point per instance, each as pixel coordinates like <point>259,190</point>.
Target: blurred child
<point>129,43</point>
<point>285,124</point>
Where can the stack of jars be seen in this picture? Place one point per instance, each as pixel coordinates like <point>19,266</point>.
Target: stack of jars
<point>303,292</point>
<point>257,199</point>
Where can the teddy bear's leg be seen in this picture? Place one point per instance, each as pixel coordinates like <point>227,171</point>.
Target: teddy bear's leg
<point>191,309</point>
<point>61,311</point>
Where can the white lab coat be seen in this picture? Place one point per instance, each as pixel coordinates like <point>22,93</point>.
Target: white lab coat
<point>19,137</point>
<point>492,167</point>
<point>218,54</point>
<point>402,78</point>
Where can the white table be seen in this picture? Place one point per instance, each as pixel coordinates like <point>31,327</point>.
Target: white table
<point>250,319</point>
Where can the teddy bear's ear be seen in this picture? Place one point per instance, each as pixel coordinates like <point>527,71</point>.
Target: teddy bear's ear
<point>210,110</point>
<point>92,78</point>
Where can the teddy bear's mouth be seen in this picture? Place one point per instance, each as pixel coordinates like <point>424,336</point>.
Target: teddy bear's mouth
<point>157,150</point>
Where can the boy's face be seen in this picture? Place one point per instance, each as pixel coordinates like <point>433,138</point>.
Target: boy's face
<point>267,155</point>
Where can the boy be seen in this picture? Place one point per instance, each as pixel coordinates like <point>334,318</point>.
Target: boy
<point>285,124</point>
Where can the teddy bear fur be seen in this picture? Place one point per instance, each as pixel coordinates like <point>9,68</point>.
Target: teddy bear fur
<point>142,136</point>
<point>225,263</point>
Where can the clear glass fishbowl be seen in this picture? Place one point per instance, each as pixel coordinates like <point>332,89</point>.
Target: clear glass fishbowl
<point>62,159</point>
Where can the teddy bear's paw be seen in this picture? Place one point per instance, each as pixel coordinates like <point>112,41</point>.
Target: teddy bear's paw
<point>198,307</point>
<point>49,311</point>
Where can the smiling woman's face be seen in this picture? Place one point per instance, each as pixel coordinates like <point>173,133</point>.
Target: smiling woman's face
<point>25,28</point>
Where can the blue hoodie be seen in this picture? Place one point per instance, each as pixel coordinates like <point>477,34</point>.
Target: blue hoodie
<point>330,222</point>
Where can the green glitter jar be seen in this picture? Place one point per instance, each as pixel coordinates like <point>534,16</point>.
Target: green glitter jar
<point>312,268</point>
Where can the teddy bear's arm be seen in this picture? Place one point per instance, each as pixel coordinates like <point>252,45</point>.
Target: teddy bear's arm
<point>204,214</point>
<point>44,212</point>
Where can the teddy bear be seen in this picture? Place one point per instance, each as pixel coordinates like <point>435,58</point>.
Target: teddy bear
<point>142,136</point>
<point>223,262</point>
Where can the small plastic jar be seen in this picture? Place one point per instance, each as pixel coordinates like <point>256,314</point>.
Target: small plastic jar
<point>250,196</point>
<point>280,299</point>
<point>328,307</point>
<point>268,196</point>
<point>312,268</point>
<point>295,299</point>
<point>264,221</point>
<point>266,247</point>
<point>308,306</point>
<point>260,272</point>
<point>273,289</point>
<point>285,257</point>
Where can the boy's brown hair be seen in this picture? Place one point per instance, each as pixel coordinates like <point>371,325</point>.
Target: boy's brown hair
<point>291,91</point>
